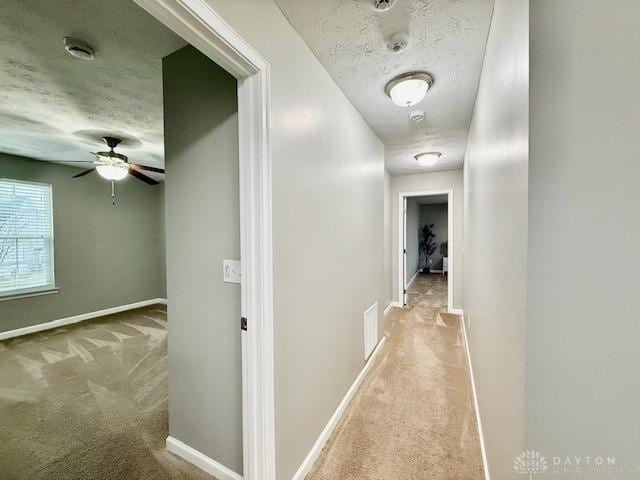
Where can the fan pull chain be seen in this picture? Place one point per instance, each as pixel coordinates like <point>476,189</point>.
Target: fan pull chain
<point>113,192</point>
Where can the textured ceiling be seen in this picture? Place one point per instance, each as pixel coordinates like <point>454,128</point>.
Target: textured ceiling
<point>446,38</point>
<point>56,107</point>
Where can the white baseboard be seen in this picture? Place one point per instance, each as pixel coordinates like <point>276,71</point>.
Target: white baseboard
<point>413,278</point>
<point>78,318</point>
<point>314,453</point>
<point>200,460</point>
<point>457,311</point>
<point>392,305</point>
<point>485,464</point>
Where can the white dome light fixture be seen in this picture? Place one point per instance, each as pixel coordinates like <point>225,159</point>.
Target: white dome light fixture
<point>409,89</point>
<point>112,172</point>
<point>428,159</point>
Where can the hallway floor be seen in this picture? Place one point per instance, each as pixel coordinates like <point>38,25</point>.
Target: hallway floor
<point>413,417</point>
<point>89,401</point>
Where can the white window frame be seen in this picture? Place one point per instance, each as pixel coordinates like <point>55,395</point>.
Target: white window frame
<point>50,287</point>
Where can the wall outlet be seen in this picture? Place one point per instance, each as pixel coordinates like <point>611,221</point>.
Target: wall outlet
<point>232,271</point>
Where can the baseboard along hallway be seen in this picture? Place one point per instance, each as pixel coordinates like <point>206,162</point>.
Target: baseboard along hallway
<point>413,416</point>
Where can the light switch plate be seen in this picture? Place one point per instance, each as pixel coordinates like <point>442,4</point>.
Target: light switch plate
<point>232,271</point>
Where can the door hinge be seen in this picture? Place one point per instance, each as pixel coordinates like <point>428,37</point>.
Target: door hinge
<point>405,251</point>
<point>405,291</point>
<point>243,324</point>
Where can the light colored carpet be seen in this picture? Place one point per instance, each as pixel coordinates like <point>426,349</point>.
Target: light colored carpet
<point>413,417</point>
<point>89,402</point>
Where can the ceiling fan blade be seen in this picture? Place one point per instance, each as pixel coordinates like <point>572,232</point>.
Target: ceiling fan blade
<point>141,176</point>
<point>145,167</point>
<point>82,174</point>
<point>76,161</point>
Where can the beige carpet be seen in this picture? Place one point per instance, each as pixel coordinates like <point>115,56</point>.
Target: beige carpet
<point>413,417</point>
<point>89,402</point>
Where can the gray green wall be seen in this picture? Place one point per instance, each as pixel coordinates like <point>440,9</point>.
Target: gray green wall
<point>105,255</point>
<point>583,372</point>
<point>436,214</point>
<point>203,228</point>
<point>495,235</point>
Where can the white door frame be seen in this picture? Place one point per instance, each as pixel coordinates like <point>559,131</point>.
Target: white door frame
<point>402,235</point>
<point>202,27</point>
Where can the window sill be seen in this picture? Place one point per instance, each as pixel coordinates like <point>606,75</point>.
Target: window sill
<point>36,293</point>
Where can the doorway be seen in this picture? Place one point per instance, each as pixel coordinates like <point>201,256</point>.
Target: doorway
<point>425,239</point>
<point>198,23</point>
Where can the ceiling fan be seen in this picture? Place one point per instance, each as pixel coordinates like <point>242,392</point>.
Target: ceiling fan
<point>115,166</point>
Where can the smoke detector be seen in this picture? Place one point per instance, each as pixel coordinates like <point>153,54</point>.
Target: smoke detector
<point>78,48</point>
<point>416,116</point>
<point>383,5</point>
<point>398,42</point>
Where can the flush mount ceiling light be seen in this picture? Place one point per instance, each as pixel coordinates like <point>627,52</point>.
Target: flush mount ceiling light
<point>428,159</point>
<point>78,48</point>
<point>409,89</point>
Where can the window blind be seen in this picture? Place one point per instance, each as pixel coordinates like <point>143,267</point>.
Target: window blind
<point>26,237</point>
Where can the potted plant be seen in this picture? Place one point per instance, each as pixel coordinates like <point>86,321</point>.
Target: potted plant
<point>427,245</point>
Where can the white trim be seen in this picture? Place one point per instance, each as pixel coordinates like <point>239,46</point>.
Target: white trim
<point>413,278</point>
<point>314,453</point>
<point>387,309</point>
<point>198,23</point>
<point>78,318</point>
<point>450,239</point>
<point>457,311</point>
<point>485,464</point>
<point>200,460</point>
<point>30,293</point>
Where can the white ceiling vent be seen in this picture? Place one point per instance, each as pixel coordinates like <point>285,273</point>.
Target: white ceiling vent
<point>383,5</point>
<point>398,42</point>
<point>416,116</point>
<point>78,48</point>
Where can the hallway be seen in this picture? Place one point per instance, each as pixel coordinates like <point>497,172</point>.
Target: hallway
<point>413,417</point>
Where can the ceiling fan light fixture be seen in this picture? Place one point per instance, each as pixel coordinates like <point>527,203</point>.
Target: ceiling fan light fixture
<point>112,172</point>
<point>428,159</point>
<point>409,89</point>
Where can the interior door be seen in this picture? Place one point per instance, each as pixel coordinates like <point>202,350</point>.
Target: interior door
<point>404,250</point>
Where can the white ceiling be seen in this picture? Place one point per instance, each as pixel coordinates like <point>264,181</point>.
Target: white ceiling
<point>447,39</point>
<point>56,107</point>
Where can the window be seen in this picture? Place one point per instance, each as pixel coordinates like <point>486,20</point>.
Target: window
<point>26,237</point>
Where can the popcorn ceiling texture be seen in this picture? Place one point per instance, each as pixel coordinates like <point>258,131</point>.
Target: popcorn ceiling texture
<point>56,107</point>
<point>447,39</point>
